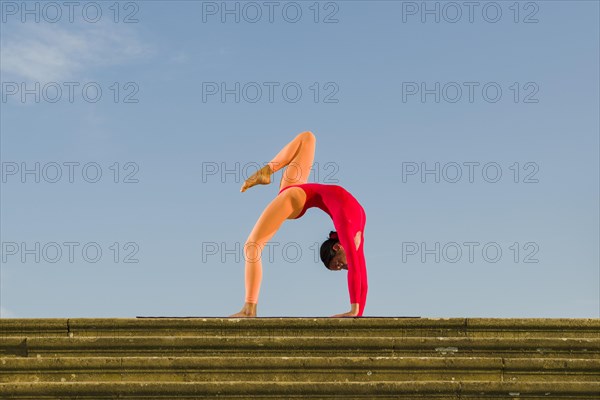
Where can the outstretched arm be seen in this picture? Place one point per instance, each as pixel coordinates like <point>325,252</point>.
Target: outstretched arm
<point>357,274</point>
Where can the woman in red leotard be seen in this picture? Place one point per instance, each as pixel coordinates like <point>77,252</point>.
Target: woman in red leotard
<point>344,249</point>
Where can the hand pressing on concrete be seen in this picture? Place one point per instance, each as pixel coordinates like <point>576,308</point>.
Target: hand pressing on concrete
<point>352,313</point>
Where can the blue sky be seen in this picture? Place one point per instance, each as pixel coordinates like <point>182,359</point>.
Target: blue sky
<point>173,146</point>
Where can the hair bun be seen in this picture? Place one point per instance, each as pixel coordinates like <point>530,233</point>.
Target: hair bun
<point>333,235</point>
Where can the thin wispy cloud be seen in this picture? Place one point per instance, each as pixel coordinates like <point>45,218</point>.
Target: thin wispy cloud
<point>46,53</point>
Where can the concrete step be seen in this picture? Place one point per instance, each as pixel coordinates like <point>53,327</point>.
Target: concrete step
<point>285,390</point>
<point>302,345</point>
<point>293,358</point>
<point>294,327</point>
<point>304,369</point>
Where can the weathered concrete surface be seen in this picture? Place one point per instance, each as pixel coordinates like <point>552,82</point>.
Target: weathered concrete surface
<point>341,389</point>
<point>297,369</point>
<point>296,346</point>
<point>396,327</point>
<point>298,357</point>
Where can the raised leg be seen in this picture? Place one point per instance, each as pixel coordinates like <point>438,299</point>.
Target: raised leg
<point>298,156</point>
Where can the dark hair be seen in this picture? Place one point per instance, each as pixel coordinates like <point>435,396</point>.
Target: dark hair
<point>327,252</point>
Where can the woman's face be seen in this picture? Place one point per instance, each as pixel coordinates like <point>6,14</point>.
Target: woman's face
<point>338,262</point>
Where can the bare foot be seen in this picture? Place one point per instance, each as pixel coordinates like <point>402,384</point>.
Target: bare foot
<point>248,311</point>
<point>262,177</point>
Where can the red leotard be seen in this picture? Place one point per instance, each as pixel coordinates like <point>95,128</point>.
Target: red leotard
<point>348,218</point>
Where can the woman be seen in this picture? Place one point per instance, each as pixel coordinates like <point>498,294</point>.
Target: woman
<point>345,247</point>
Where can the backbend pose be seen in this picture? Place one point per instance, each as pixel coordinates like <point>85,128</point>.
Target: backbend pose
<point>345,247</point>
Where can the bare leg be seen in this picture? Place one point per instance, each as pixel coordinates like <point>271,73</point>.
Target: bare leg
<point>286,205</point>
<point>297,156</point>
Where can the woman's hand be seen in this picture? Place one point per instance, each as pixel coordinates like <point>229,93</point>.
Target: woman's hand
<point>348,314</point>
<point>352,313</point>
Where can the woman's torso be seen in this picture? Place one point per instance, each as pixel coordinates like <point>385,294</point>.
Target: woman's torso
<point>333,200</point>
